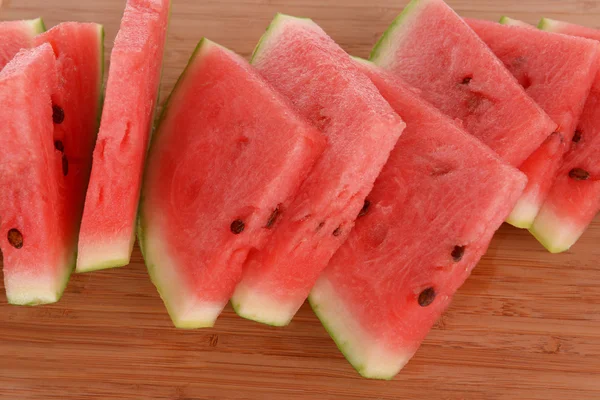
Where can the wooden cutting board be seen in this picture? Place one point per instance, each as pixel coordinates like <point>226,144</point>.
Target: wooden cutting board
<point>525,326</point>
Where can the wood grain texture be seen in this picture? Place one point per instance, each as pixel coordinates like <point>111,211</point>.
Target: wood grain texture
<point>525,326</point>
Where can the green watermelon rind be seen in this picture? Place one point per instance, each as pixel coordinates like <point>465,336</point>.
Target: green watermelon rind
<point>343,347</point>
<point>279,17</point>
<point>547,24</point>
<point>141,219</point>
<point>381,44</point>
<point>37,25</point>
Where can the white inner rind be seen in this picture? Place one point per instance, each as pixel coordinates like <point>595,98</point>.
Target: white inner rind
<point>32,288</point>
<point>251,304</point>
<point>368,356</point>
<point>104,255</point>
<point>524,213</point>
<point>184,307</point>
<point>555,233</point>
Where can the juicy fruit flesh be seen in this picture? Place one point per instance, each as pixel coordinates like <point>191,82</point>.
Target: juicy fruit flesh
<point>462,77</point>
<point>227,163</point>
<point>35,269</point>
<point>572,203</point>
<point>557,72</point>
<point>326,87</point>
<point>433,211</point>
<point>17,35</point>
<point>107,228</point>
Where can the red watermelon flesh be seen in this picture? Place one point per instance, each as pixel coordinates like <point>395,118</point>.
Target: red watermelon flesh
<point>433,49</point>
<point>107,228</point>
<point>17,35</point>
<point>298,58</point>
<point>36,261</point>
<point>76,100</point>
<point>557,72</point>
<point>432,213</point>
<point>574,198</point>
<point>228,166</point>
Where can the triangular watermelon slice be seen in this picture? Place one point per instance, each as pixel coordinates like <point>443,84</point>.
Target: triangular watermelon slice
<point>557,72</point>
<point>17,35</point>
<point>298,58</point>
<point>74,106</point>
<point>220,171</point>
<point>574,198</point>
<point>431,215</point>
<point>433,49</point>
<point>108,225</point>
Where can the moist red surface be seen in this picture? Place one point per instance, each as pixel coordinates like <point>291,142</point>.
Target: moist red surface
<point>436,51</point>
<point>569,199</point>
<point>326,86</point>
<point>131,94</point>
<point>30,168</point>
<point>228,148</point>
<point>14,36</point>
<point>77,48</point>
<point>441,188</point>
<point>557,71</point>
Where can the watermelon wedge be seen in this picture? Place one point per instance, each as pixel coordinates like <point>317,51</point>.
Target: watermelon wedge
<point>36,265</point>
<point>107,229</point>
<point>76,102</point>
<point>574,198</point>
<point>17,35</point>
<point>557,71</point>
<point>230,165</point>
<point>433,49</point>
<point>75,99</point>
<point>298,58</point>
<point>431,215</point>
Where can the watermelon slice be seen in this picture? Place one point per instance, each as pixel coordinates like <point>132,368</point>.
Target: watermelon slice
<point>574,198</point>
<point>327,87</point>
<point>557,72</point>
<point>77,102</point>
<point>36,262</point>
<point>108,225</point>
<point>74,105</point>
<point>230,166</point>
<point>434,50</point>
<point>17,35</point>
<point>431,215</point>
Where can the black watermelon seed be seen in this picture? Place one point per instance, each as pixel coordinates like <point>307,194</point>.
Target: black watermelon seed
<point>65,165</point>
<point>579,174</point>
<point>338,231</point>
<point>237,226</point>
<point>457,253</point>
<point>426,297</point>
<point>272,218</point>
<point>365,209</point>
<point>15,238</point>
<point>58,114</point>
<point>321,224</point>
<point>466,80</point>
<point>577,136</point>
<point>58,145</point>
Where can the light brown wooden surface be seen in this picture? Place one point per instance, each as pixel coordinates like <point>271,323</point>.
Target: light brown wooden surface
<point>525,326</point>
